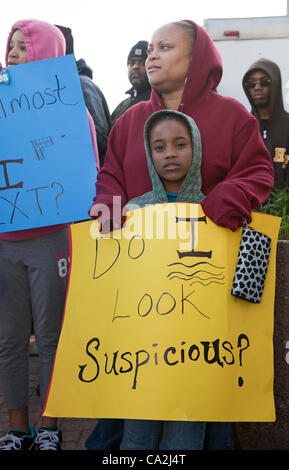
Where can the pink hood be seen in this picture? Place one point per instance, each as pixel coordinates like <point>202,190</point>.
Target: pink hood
<point>45,41</point>
<point>42,40</point>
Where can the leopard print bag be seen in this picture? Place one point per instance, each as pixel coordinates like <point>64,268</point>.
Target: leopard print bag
<point>252,265</point>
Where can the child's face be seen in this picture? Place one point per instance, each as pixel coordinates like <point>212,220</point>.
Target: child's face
<point>171,150</point>
<point>17,50</point>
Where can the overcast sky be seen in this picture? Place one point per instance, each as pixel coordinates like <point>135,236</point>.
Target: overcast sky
<point>105,30</point>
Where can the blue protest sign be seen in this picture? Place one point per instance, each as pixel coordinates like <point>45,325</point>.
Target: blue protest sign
<point>47,163</point>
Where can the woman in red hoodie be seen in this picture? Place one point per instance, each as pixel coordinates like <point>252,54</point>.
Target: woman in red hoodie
<point>33,287</point>
<point>184,70</point>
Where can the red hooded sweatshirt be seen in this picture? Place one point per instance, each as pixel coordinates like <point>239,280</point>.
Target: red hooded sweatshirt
<point>42,41</point>
<point>237,173</point>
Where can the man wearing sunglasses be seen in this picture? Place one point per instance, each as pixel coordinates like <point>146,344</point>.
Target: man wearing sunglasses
<point>263,87</point>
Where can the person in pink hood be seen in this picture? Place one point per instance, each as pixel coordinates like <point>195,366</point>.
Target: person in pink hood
<point>32,284</point>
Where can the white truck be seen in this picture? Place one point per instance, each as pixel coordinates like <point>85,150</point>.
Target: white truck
<point>242,41</point>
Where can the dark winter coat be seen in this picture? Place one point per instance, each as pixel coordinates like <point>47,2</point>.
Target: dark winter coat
<point>97,107</point>
<point>134,98</point>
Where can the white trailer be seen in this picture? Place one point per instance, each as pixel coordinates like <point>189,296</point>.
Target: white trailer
<point>242,41</point>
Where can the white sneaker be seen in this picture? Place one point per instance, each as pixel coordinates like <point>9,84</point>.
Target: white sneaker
<point>17,440</point>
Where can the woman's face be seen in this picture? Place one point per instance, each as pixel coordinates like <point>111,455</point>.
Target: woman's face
<point>17,50</point>
<point>169,56</point>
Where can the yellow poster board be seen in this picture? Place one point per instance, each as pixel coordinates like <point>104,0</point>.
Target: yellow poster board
<point>151,330</point>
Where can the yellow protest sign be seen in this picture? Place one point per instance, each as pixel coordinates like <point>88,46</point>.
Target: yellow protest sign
<point>151,330</point>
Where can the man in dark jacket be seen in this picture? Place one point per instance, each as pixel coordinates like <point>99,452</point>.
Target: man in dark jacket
<point>141,89</point>
<point>262,85</point>
<point>93,97</point>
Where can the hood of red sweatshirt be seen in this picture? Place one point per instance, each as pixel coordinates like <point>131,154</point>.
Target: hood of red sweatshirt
<point>42,40</point>
<point>205,71</point>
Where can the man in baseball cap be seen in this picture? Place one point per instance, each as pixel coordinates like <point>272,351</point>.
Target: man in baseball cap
<point>137,76</point>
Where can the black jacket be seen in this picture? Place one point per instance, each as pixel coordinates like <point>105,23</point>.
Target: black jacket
<point>134,98</point>
<point>97,107</point>
<point>277,139</point>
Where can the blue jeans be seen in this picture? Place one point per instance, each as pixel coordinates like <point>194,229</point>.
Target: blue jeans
<point>106,435</point>
<point>176,435</point>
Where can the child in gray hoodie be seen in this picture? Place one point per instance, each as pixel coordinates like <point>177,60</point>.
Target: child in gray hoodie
<point>174,156</point>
